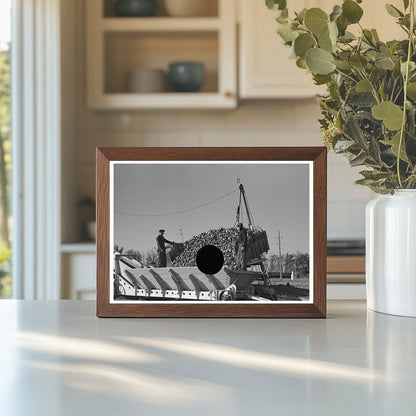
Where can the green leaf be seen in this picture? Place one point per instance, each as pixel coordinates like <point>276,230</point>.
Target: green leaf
<point>365,182</point>
<point>301,15</point>
<point>374,150</point>
<point>336,12</point>
<point>363,86</point>
<point>282,20</point>
<point>347,37</point>
<point>396,70</point>
<point>394,145</point>
<point>316,20</point>
<point>345,65</point>
<point>388,112</point>
<point>270,4</point>
<point>303,43</point>
<point>412,67</point>
<point>301,63</point>
<point>382,89</point>
<point>319,61</point>
<point>411,90</point>
<point>351,11</point>
<point>393,11</point>
<point>358,61</point>
<point>374,174</point>
<point>321,79</point>
<point>375,35</point>
<point>276,4</point>
<point>333,32</point>
<point>368,36</point>
<point>325,42</point>
<point>353,131</point>
<point>358,160</point>
<point>406,4</point>
<point>343,145</point>
<point>282,4</point>
<point>384,62</point>
<point>411,123</point>
<point>405,21</point>
<point>342,25</point>
<point>287,33</point>
<point>362,99</point>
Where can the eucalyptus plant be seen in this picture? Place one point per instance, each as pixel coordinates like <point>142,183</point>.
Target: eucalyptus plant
<point>369,111</point>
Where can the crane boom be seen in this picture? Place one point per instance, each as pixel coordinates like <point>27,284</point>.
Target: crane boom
<point>243,197</point>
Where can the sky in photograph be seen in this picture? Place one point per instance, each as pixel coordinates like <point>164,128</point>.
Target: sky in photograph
<point>148,197</point>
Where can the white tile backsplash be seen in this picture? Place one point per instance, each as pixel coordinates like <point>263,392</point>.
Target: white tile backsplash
<point>175,138</point>
<point>215,120</point>
<point>257,123</point>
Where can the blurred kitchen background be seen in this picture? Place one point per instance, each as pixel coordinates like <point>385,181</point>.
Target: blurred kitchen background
<point>119,88</point>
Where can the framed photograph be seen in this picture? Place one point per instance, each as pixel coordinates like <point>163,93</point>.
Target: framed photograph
<point>211,232</point>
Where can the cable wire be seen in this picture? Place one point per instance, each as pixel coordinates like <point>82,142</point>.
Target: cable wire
<point>178,212</point>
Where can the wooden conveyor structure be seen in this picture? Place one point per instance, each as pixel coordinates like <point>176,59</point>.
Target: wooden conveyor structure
<point>181,283</point>
<point>134,281</point>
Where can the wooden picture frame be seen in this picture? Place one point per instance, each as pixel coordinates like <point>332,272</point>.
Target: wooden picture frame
<point>276,157</point>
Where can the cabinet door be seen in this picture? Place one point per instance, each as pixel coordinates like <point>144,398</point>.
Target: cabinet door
<point>266,71</point>
<point>265,68</point>
<point>78,276</point>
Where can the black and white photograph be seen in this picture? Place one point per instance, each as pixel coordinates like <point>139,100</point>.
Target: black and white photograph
<point>211,232</point>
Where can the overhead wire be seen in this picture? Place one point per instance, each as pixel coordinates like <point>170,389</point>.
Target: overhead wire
<point>178,212</point>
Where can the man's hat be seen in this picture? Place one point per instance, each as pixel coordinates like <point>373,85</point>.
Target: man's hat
<point>161,231</point>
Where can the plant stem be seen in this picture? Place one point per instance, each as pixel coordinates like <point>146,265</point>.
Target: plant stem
<point>406,80</point>
<point>373,88</point>
<point>392,91</point>
<point>346,75</point>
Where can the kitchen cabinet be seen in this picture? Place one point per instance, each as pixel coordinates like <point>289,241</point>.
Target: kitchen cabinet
<point>265,69</point>
<point>78,264</point>
<point>118,45</point>
<point>346,269</point>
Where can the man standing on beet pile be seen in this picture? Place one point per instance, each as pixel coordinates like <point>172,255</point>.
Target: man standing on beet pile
<point>161,248</point>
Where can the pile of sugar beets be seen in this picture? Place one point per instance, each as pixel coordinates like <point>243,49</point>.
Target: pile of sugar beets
<point>223,238</point>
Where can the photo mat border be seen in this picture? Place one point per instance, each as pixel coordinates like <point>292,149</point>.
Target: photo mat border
<point>191,162</point>
<point>315,308</point>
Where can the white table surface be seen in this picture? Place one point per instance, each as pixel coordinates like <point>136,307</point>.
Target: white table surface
<point>57,358</point>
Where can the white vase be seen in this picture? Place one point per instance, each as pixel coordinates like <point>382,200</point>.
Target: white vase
<point>391,253</point>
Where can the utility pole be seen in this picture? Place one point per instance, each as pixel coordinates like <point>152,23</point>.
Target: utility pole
<point>296,266</point>
<point>279,242</point>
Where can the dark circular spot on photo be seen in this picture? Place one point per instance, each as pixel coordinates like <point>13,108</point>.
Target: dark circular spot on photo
<point>209,259</point>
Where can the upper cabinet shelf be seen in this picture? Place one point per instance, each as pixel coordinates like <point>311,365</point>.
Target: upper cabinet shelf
<point>160,24</point>
<point>128,58</point>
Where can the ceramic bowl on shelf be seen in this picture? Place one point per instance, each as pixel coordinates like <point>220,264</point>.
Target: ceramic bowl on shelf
<point>135,8</point>
<point>186,76</point>
<point>191,8</point>
<point>147,80</point>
